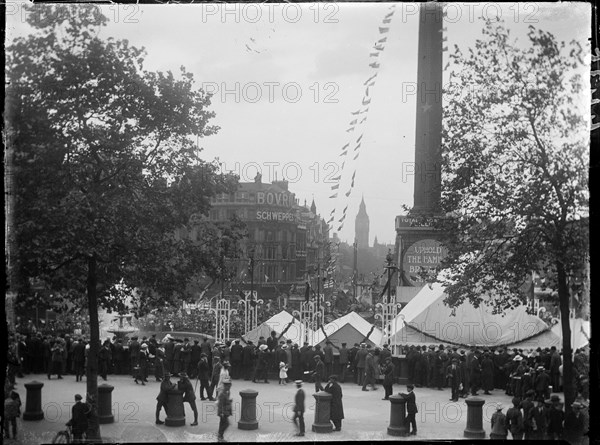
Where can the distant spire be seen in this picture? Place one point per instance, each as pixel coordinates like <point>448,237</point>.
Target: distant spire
<point>313,207</point>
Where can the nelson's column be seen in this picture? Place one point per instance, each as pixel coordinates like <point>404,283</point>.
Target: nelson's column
<point>417,245</point>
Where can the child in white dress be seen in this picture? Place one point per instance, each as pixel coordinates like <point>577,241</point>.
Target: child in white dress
<point>283,373</point>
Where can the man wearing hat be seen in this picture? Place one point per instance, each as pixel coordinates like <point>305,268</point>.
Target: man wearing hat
<point>388,369</point>
<point>248,357</point>
<point>360,359</point>
<point>214,377</point>
<point>556,417</point>
<point>299,409</point>
<point>79,416</point>
<point>328,357</point>
<point>162,398</point>
<point>454,377</point>
<point>194,359</point>
<point>204,373</point>
<point>237,353</point>
<point>318,373</point>
<point>169,352</point>
<point>536,418</point>
<point>515,420</point>
<point>499,430</point>
<point>336,413</point>
<point>541,383</point>
<point>262,364</point>
<point>411,408</point>
<point>189,395</point>
<point>134,353</point>
<point>574,427</point>
<point>224,408</point>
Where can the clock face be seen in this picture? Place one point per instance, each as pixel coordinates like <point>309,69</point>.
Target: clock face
<point>421,260</point>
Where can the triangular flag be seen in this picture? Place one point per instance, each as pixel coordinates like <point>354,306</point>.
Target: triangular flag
<point>357,147</point>
<point>363,119</point>
<point>330,220</point>
<point>365,110</point>
<point>365,102</point>
<point>332,211</point>
<point>355,112</point>
<point>355,157</point>
<point>354,175</point>
<point>342,218</point>
<point>344,153</point>
<point>382,40</point>
<point>335,187</point>
<point>337,178</point>
<point>383,30</point>
<point>348,193</point>
<point>343,163</point>
<point>359,138</point>
<point>345,208</point>
<point>350,129</point>
<point>374,55</point>
<point>345,146</point>
<point>340,228</point>
<point>370,78</point>
<point>334,195</point>
<point>374,65</point>
<point>389,14</point>
<point>379,47</point>
<point>387,20</point>
<point>353,122</point>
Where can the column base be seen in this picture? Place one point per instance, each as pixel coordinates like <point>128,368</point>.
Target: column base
<point>39,415</point>
<point>397,431</point>
<point>322,427</point>
<point>248,425</point>
<point>106,419</point>
<point>175,421</point>
<point>474,434</point>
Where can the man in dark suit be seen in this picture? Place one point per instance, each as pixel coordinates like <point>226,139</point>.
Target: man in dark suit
<point>454,377</point>
<point>78,353</point>
<point>248,354</point>
<point>336,413</point>
<point>134,353</point>
<point>318,373</point>
<point>237,353</point>
<point>79,416</point>
<point>189,395</point>
<point>411,409</point>
<point>194,359</point>
<point>169,352</point>
<point>299,409</point>
<point>162,397</point>
<point>537,419</point>
<point>541,384</point>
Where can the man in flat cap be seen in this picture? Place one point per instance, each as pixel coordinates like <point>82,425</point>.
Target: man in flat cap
<point>189,395</point>
<point>318,373</point>
<point>224,408</point>
<point>162,398</point>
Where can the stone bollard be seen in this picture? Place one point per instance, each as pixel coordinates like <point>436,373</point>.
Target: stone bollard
<point>176,411</point>
<point>248,416</point>
<point>105,414</point>
<point>322,424</point>
<point>398,425</point>
<point>474,428</point>
<point>33,404</point>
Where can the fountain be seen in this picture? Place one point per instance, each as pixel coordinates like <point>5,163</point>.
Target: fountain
<point>121,330</point>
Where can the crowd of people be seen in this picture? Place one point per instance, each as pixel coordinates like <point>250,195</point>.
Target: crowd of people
<point>530,376</point>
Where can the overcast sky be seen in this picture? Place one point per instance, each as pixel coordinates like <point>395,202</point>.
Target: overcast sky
<point>286,78</point>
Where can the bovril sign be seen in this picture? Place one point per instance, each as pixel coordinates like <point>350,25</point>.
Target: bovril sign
<point>275,199</point>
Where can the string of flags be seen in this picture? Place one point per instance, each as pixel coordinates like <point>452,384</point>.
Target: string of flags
<point>356,121</point>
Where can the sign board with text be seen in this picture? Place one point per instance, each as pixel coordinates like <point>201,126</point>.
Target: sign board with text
<point>421,259</point>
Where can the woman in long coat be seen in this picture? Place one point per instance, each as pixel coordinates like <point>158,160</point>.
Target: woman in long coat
<point>336,413</point>
<point>487,373</point>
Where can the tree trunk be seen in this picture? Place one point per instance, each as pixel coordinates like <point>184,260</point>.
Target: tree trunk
<point>92,363</point>
<point>9,209</point>
<point>567,353</point>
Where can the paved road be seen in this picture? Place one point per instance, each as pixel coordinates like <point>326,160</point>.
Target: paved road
<point>366,415</point>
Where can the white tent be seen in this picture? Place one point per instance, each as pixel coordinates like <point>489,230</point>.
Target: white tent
<point>426,319</point>
<point>282,323</point>
<point>350,329</point>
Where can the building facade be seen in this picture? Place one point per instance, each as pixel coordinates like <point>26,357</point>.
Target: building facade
<point>285,239</point>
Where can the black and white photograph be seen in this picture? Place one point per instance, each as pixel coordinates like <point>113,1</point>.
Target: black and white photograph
<point>228,222</point>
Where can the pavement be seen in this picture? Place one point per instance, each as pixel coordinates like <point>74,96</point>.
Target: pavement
<point>367,416</point>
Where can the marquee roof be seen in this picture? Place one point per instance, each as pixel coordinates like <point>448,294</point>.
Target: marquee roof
<point>352,319</point>
<point>426,319</point>
<point>282,322</point>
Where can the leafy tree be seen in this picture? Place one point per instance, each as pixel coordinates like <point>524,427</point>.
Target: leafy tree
<point>108,170</point>
<point>515,173</point>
